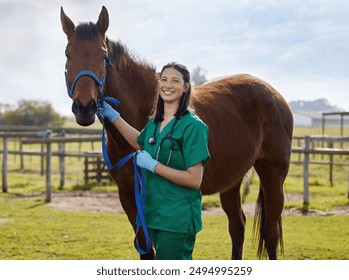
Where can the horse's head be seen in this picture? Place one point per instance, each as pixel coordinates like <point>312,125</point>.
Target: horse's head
<point>87,56</point>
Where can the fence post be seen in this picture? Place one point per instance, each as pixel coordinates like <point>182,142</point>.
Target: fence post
<point>330,164</point>
<point>21,155</point>
<point>4,164</point>
<point>48,167</point>
<point>86,168</point>
<point>61,160</point>
<point>42,159</point>
<point>99,171</point>
<point>306,170</point>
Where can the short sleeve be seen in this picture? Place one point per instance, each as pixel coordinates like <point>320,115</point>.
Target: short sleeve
<point>141,136</point>
<point>195,144</point>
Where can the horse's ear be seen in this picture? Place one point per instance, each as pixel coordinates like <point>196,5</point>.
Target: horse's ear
<point>103,21</point>
<point>67,24</point>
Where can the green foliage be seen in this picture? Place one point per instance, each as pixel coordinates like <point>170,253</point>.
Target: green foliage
<point>31,112</point>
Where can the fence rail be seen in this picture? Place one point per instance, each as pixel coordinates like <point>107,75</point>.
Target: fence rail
<point>306,150</point>
<point>99,170</point>
<point>46,139</point>
<point>66,130</point>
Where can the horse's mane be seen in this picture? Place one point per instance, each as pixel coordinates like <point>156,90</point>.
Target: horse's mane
<point>120,50</point>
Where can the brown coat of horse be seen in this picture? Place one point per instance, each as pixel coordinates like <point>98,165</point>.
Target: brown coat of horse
<point>250,124</point>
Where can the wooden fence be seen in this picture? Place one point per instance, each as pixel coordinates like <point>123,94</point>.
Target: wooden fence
<point>309,148</point>
<point>305,146</point>
<point>95,167</point>
<point>45,138</point>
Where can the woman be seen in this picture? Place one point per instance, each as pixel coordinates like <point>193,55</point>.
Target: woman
<point>174,153</point>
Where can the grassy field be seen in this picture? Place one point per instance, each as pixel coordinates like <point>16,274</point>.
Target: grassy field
<point>31,229</point>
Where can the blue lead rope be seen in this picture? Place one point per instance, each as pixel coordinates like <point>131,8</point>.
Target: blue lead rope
<point>139,184</point>
<point>140,195</point>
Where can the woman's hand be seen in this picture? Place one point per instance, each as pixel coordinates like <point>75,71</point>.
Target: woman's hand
<point>144,160</point>
<point>190,178</point>
<point>108,112</point>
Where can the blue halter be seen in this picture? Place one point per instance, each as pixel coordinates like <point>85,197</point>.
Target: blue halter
<point>89,73</point>
<point>139,183</point>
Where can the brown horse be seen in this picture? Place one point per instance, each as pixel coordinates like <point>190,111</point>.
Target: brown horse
<point>250,124</point>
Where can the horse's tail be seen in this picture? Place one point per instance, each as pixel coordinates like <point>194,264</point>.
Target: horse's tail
<point>258,226</point>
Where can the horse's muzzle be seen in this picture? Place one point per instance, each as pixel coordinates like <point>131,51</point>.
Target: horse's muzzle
<point>84,115</point>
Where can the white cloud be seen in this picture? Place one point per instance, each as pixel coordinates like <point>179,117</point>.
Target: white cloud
<point>300,47</point>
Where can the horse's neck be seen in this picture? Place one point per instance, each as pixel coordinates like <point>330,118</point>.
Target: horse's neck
<point>134,85</point>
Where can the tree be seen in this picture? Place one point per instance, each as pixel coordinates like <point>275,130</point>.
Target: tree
<point>198,76</point>
<point>31,112</point>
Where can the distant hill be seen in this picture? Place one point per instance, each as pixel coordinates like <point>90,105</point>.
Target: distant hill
<point>309,113</point>
<point>319,105</point>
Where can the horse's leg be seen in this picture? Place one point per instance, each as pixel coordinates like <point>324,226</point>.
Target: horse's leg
<point>128,204</point>
<point>270,204</point>
<point>231,203</point>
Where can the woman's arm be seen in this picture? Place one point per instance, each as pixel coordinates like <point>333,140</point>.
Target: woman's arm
<point>190,178</point>
<point>128,132</point>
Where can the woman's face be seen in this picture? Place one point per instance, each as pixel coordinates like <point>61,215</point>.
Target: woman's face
<point>172,85</point>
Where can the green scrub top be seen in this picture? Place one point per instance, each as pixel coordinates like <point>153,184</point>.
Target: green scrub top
<point>169,206</point>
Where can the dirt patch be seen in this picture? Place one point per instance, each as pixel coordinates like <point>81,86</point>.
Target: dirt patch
<point>87,201</point>
<point>3,221</point>
<point>108,202</point>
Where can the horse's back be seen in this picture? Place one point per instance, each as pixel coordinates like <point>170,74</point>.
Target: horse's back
<point>243,91</point>
<point>245,115</point>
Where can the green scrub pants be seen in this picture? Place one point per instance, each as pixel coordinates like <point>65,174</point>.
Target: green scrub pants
<point>173,245</point>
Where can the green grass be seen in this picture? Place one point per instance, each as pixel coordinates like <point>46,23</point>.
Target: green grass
<point>37,231</point>
<point>34,230</point>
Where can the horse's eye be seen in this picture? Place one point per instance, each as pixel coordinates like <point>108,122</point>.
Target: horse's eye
<point>67,55</point>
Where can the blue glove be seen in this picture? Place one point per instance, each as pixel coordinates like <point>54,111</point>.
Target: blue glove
<point>144,160</point>
<point>108,112</point>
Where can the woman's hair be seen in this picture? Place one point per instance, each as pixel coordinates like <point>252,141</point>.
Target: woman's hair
<point>184,103</point>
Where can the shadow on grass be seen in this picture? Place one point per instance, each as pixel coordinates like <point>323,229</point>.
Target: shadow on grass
<point>41,203</point>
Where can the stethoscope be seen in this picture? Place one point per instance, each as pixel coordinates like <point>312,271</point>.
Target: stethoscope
<point>152,140</point>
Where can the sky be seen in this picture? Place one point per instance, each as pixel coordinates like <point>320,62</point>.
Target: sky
<point>299,47</point>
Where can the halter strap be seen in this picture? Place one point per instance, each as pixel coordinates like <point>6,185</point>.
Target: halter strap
<point>90,73</point>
